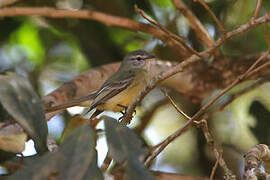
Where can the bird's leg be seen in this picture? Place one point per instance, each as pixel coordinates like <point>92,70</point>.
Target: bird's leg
<point>123,112</point>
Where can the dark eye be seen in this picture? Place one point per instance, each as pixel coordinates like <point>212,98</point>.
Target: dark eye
<point>139,58</point>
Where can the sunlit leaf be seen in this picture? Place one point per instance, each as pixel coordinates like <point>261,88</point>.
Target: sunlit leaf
<point>163,3</point>
<point>124,145</point>
<point>27,37</point>
<point>24,105</point>
<point>75,159</point>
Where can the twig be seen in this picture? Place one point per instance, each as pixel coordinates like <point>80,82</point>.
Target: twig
<point>256,70</point>
<point>107,19</point>
<point>195,23</point>
<point>235,96</point>
<point>213,15</point>
<point>170,34</point>
<point>203,109</point>
<point>174,104</point>
<point>252,161</point>
<point>214,169</point>
<point>251,70</point>
<point>267,35</point>
<point>211,142</point>
<point>209,138</point>
<point>257,10</point>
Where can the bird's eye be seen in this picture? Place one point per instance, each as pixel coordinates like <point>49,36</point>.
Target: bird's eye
<point>139,58</point>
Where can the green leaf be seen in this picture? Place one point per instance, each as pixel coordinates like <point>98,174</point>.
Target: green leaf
<point>23,104</point>
<point>27,37</point>
<point>76,159</point>
<point>124,145</point>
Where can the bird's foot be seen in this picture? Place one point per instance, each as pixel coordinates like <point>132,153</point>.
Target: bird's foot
<point>124,111</point>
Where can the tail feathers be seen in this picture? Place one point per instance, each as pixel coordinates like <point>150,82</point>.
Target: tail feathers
<point>76,102</point>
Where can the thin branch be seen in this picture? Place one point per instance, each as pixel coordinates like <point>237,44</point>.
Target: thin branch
<point>169,34</point>
<point>203,109</point>
<point>174,104</point>
<point>213,16</point>
<point>209,138</point>
<point>257,10</point>
<point>214,169</point>
<point>249,72</point>
<point>213,145</point>
<point>266,34</point>
<point>253,160</point>
<point>107,19</point>
<point>195,23</point>
<point>235,96</point>
<point>256,70</point>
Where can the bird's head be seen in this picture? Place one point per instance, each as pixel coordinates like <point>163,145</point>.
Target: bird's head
<point>136,59</point>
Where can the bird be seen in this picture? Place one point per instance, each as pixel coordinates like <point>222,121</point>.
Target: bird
<point>120,89</point>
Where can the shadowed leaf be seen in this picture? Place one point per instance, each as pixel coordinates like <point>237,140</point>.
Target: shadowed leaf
<point>124,145</point>
<point>75,122</point>
<point>75,160</point>
<point>23,104</point>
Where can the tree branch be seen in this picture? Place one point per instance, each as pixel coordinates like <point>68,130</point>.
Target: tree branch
<point>195,23</point>
<point>222,30</point>
<point>109,20</point>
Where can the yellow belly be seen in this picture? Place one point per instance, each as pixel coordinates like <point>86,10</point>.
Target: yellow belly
<point>126,96</point>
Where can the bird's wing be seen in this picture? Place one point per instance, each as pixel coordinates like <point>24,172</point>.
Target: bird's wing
<point>113,86</point>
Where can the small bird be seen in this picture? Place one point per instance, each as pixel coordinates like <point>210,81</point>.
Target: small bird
<point>120,89</point>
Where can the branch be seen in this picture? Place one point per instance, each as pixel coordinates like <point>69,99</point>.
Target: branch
<point>235,96</point>
<point>266,34</point>
<point>109,20</point>
<point>209,139</point>
<point>252,162</point>
<point>195,23</point>
<point>213,145</point>
<point>258,8</point>
<point>213,16</point>
<point>169,34</point>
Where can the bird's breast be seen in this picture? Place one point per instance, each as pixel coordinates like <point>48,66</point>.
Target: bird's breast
<point>126,96</point>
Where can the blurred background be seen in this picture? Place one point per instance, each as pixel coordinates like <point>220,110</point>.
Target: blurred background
<point>52,51</point>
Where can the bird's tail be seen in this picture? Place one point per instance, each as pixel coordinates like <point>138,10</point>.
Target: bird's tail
<point>76,102</point>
